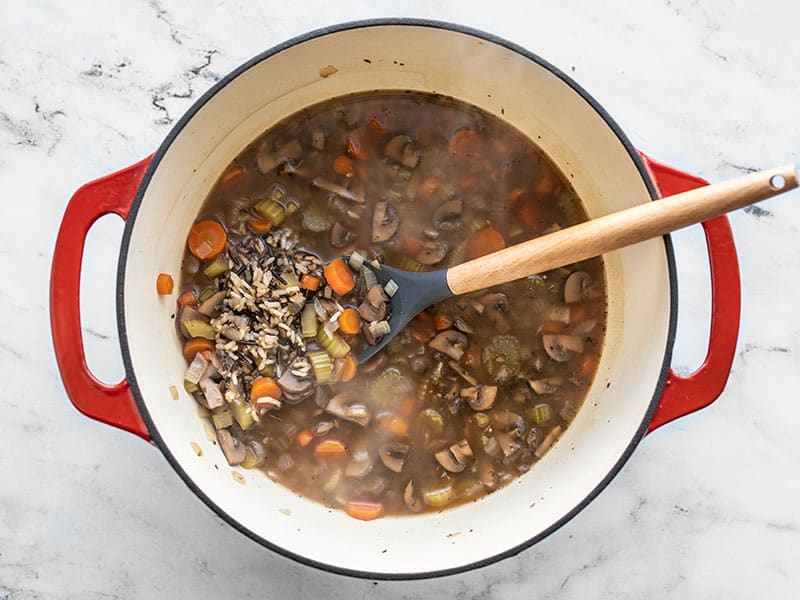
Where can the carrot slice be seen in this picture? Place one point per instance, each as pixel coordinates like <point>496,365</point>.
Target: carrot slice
<point>545,186</point>
<point>442,322</point>
<point>349,321</point>
<point>343,165</point>
<point>330,449</point>
<point>356,148</point>
<point>304,437</point>
<point>207,239</point>
<point>187,299</point>
<point>364,511</point>
<point>194,346</point>
<point>530,216</point>
<point>310,282</point>
<point>485,241</point>
<point>339,276</point>
<point>377,123</point>
<point>421,328</point>
<point>164,284</point>
<point>465,145</point>
<point>265,387</point>
<point>429,186</point>
<point>515,195</point>
<point>350,368</point>
<point>232,175</point>
<point>259,225</point>
<point>587,365</point>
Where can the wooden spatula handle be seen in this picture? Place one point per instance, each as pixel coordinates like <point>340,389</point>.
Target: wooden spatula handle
<point>617,230</point>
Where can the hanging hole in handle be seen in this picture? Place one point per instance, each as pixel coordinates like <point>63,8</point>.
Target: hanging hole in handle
<point>98,299</point>
<point>777,182</point>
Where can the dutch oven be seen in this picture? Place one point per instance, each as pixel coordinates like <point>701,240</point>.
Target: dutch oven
<point>634,390</point>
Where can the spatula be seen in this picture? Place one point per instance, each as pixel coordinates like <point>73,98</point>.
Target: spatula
<point>417,291</point>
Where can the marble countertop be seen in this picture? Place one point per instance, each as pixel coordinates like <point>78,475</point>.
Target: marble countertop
<point>708,507</point>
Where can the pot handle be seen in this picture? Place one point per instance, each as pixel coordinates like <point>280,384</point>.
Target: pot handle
<point>111,404</point>
<point>684,395</point>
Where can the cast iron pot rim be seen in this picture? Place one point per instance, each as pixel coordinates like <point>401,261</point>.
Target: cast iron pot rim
<point>123,332</point>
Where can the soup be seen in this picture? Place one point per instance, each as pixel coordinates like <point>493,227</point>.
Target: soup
<point>279,293</point>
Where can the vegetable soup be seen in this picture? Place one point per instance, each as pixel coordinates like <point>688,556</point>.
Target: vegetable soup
<point>278,293</point>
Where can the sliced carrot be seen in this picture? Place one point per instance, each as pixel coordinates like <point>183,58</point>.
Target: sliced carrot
<point>364,511</point>
<point>578,312</point>
<point>465,145</point>
<point>408,405</point>
<point>442,322</point>
<point>429,186</point>
<point>304,437</point>
<point>399,427</point>
<point>377,123</point>
<point>232,175</point>
<point>194,346</point>
<point>530,215</point>
<point>410,245</point>
<point>343,165</point>
<point>485,241</point>
<point>587,365</point>
<point>515,195</point>
<point>264,387</point>
<point>544,187</point>
<point>310,282</point>
<point>422,329</point>
<point>187,299</point>
<point>259,225</point>
<point>551,327</point>
<point>349,321</point>
<point>164,284</point>
<point>330,449</point>
<point>339,277</point>
<point>207,239</point>
<point>356,148</point>
<point>466,181</point>
<point>350,368</point>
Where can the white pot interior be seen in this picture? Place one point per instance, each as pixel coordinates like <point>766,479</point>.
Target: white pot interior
<point>566,127</point>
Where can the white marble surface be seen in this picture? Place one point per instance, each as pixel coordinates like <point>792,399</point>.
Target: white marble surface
<point>708,507</point>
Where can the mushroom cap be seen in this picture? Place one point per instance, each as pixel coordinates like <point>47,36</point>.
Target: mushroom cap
<point>484,397</point>
<point>561,347</point>
<point>450,342</point>
<point>575,285</point>
<point>294,388</point>
<point>393,455</point>
<point>341,235</point>
<point>234,450</point>
<point>432,253</point>
<point>448,216</point>
<point>456,457</point>
<point>385,221</point>
<point>212,304</point>
<point>413,503</point>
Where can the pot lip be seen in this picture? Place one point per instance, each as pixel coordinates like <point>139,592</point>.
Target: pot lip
<point>125,249</point>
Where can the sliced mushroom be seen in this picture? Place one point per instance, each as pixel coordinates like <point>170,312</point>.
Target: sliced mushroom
<point>401,149</point>
<point>211,306</point>
<point>548,385</point>
<point>464,375</point>
<point>507,421</point>
<point>341,235</point>
<point>269,160</point>
<point>372,313</point>
<point>377,295</point>
<point>234,450</point>
<point>317,139</point>
<point>384,221</point>
<point>196,369</point>
<point>448,216</point>
<point>507,443</point>
<point>450,342</point>
<point>393,455</point>
<point>455,458</point>
<point>432,253</point>
<point>295,389</point>
<point>548,441</point>
<point>575,286</point>
<point>521,394</point>
<point>358,468</point>
<point>462,326</point>
<point>561,347</point>
<point>413,503</point>
<point>212,392</point>
<point>334,188</point>
<point>487,474</point>
<point>342,405</point>
<point>481,397</point>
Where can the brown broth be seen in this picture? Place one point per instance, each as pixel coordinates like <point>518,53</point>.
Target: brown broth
<point>413,393</point>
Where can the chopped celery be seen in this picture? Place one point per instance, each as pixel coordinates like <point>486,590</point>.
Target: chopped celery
<point>206,294</point>
<point>292,206</point>
<point>190,387</point>
<point>200,328</point>
<point>322,365</point>
<point>222,419</point>
<point>481,420</point>
<point>290,278</point>
<point>216,267</point>
<point>432,421</point>
<point>333,343</point>
<point>438,495</point>
<point>242,414</point>
<point>541,413</point>
<point>271,210</point>
<point>407,263</point>
<point>308,321</point>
